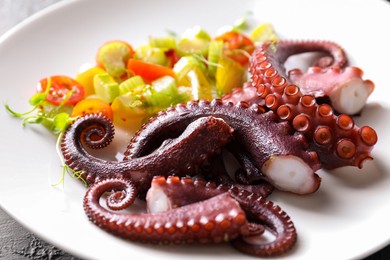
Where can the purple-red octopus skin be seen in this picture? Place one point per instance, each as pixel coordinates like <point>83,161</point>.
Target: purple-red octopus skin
<point>264,140</point>
<point>215,220</point>
<point>180,155</point>
<point>336,138</point>
<point>180,139</point>
<point>199,212</point>
<point>174,192</point>
<point>283,132</point>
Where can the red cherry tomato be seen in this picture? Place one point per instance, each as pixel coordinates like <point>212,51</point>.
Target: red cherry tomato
<point>60,86</point>
<point>148,71</point>
<point>235,44</point>
<point>172,56</point>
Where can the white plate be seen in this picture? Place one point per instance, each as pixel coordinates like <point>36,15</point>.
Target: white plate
<point>347,218</point>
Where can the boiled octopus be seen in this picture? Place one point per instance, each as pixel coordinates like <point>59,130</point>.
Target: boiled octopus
<point>169,145</point>
<point>187,211</point>
<point>279,135</point>
<point>335,137</point>
<point>329,79</point>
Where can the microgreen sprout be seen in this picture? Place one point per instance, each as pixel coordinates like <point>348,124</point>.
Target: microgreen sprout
<point>53,118</point>
<point>72,173</point>
<point>65,168</point>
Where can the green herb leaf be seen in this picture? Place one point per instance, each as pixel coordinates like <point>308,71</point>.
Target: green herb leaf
<point>37,99</point>
<point>16,114</point>
<point>61,121</point>
<point>72,173</point>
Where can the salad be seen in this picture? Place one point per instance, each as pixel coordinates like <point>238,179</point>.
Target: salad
<point>129,84</point>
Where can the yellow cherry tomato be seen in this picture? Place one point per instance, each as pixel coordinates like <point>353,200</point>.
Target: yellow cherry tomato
<point>92,106</point>
<point>85,78</point>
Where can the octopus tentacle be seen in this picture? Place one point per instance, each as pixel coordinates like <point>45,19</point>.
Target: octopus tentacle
<point>217,173</point>
<point>335,54</point>
<point>173,192</point>
<point>264,139</point>
<point>346,90</point>
<point>216,220</point>
<point>188,155</point>
<point>123,195</point>
<point>259,209</point>
<point>341,144</point>
<point>328,80</point>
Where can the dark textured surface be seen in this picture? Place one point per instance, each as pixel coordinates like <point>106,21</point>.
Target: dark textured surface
<point>16,242</point>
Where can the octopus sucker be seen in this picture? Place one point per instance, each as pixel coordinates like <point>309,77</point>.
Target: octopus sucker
<point>197,222</point>
<point>187,154</point>
<point>178,141</point>
<point>344,87</point>
<point>341,143</point>
<point>280,128</point>
<point>256,132</point>
<point>260,213</point>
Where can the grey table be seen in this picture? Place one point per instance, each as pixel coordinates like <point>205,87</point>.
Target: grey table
<point>16,242</point>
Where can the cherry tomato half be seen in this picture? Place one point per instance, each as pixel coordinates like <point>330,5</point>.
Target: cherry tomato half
<point>148,71</point>
<point>92,106</point>
<point>112,56</point>
<point>237,46</point>
<point>60,86</point>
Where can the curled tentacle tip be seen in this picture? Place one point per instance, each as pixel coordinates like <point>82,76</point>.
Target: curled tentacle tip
<point>255,229</point>
<point>121,199</point>
<point>361,161</point>
<point>124,192</point>
<point>96,130</point>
